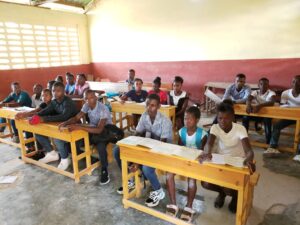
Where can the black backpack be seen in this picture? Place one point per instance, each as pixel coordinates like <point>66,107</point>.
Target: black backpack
<point>111,133</point>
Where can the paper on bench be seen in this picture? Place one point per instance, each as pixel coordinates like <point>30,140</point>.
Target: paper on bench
<point>208,93</point>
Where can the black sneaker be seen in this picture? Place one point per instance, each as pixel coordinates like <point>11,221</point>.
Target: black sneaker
<point>104,179</point>
<point>131,186</point>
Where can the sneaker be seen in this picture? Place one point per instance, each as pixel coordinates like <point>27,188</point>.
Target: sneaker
<point>16,139</point>
<point>155,197</point>
<point>50,157</point>
<point>64,164</point>
<point>131,186</point>
<point>271,151</point>
<point>297,158</point>
<point>104,179</point>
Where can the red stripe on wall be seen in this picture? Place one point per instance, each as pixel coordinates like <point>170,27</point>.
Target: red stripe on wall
<point>28,77</point>
<point>196,73</point>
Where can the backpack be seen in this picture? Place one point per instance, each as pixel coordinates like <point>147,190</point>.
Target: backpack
<point>111,133</point>
<point>183,134</point>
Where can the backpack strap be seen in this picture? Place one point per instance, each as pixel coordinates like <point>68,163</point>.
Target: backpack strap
<point>183,133</point>
<point>198,137</point>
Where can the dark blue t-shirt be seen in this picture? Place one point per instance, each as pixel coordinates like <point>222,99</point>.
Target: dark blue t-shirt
<point>135,97</point>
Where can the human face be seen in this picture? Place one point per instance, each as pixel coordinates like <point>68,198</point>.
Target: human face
<point>131,75</point>
<point>177,86</point>
<point>90,99</point>
<point>58,92</point>
<point>80,80</point>
<point>37,89</point>
<point>155,87</point>
<point>263,86</point>
<point>152,107</point>
<point>225,121</point>
<point>190,121</point>
<point>46,96</point>
<point>70,80</point>
<point>239,83</point>
<point>296,84</point>
<point>138,85</point>
<point>16,89</point>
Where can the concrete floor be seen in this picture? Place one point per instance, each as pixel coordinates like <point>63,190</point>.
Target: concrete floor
<point>40,197</point>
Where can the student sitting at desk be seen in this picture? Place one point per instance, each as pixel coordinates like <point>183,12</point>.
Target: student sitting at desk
<point>60,109</point>
<point>232,139</point>
<point>130,81</point>
<point>50,84</point>
<point>70,84</point>
<point>81,86</point>
<point>59,78</point>
<point>180,99</point>
<point>19,97</point>
<point>137,95</point>
<point>239,91</point>
<point>261,98</point>
<point>156,90</point>
<point>36,98</point>
<point>153,124</point>
<point>289,98</point>
<point>190,136</point>
<point>99,116</point>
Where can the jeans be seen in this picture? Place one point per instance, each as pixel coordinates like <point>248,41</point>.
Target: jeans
<point>148,172</point>
<point>267,125</point>
<point>62,146</point>
<point>277,127</point>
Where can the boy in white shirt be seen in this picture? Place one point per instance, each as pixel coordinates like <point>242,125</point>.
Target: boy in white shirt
<point>258,99</point>
<point>289,98</point>
<point>232,139</point>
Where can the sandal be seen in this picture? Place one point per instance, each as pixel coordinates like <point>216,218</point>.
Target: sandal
<point>172,210</point>
<point>187,214</point>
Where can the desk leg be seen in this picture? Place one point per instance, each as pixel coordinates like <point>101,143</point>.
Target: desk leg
<point>121,120</point>
<point>9,127</point>
<point>22,144</point>
<point>75,162</point>
<point>125,182</point>
<point>114,120</point>
<point>88,153</point>
<point>297,133</point>
<point>240,206</point>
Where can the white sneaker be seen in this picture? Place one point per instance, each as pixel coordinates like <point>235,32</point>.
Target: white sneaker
<point>155,197</point>
<point>297,158</point>
<point>271,151</point>
<point>50,157</point>
<point>64,164</point>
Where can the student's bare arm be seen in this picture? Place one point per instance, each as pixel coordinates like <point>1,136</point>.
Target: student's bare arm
<point>248,103</point>
<point>208,148</point>
<point>269,103</point>
<point>203,142</point>
<point>72,120</point>
<point>249,154</point>
<point>93,130</point>
<point>184,106</point>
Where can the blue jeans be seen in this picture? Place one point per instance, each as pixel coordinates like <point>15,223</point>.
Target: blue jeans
<point>62,146</point>
<point>148,172</point>
<point>277,127</point>
<point>13,126</point>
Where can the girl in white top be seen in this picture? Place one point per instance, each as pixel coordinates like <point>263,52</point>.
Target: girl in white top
<point>232,139</point>
<point>179,98</point>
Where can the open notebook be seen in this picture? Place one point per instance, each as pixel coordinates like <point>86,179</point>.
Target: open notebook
<point>162,147</point>
<point>227,159</point>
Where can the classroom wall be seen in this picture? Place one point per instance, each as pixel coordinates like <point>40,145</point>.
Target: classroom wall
<point>201,40</point>
<point>40,16</point>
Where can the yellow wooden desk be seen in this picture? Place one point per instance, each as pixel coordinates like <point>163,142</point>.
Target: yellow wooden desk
<point>51,130</point>
<point>135,108</point>
<point>8,114</point>
<point>275,112</point>
<point>226,176</point>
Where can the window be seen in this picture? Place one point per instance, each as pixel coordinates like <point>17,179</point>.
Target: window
<point>32,46</point>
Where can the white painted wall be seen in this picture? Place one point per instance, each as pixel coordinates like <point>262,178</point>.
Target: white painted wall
<point>182,30</point>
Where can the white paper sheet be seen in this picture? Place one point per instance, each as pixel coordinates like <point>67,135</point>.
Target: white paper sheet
<point>208,93</point>
<point>7,179</point>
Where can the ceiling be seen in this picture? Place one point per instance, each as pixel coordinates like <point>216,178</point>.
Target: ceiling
<point>76,6</point>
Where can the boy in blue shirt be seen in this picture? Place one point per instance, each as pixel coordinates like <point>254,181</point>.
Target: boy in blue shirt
<point>190,136</point>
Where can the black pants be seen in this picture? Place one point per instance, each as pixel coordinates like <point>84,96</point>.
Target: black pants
<point>267,125</point>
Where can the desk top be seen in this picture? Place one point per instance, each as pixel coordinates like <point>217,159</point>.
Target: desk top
<point>271,112</point>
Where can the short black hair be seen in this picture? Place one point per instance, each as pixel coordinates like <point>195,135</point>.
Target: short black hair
<point>39,85</point>
<point>264,79</point>
<point>228,101</point>
<point>132,71</point>
<point>82,75</point>
<point>154,97</point>
<point>241,75</point>
<point>297,77</point>
<point>195,111</point>
<point>68,74</point>
<point>15,83</point>
<point>178,79</point>
<point>138,80</point>
<point>89,91</point>
<point>225,108</point>
<point>58,84</point>
<point>157,81</point>
<point>46,90</point>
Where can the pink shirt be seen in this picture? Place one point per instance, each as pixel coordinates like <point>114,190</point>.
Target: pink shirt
<point>80,89</point>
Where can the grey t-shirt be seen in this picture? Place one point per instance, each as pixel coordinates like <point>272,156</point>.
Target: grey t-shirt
<point>98,113</point>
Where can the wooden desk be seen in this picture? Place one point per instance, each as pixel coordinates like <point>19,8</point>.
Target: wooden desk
<point>51,130</point>
<point>209,104</point>
<point>275,112</point>
<point>135,108</point>
<point>8,114</point>
<point>226,176</point>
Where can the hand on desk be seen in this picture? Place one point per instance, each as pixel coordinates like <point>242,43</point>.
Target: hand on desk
<point>73,127</point>
<point>21,115</point>
<point>251,165</point>
<point>204,156</point>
